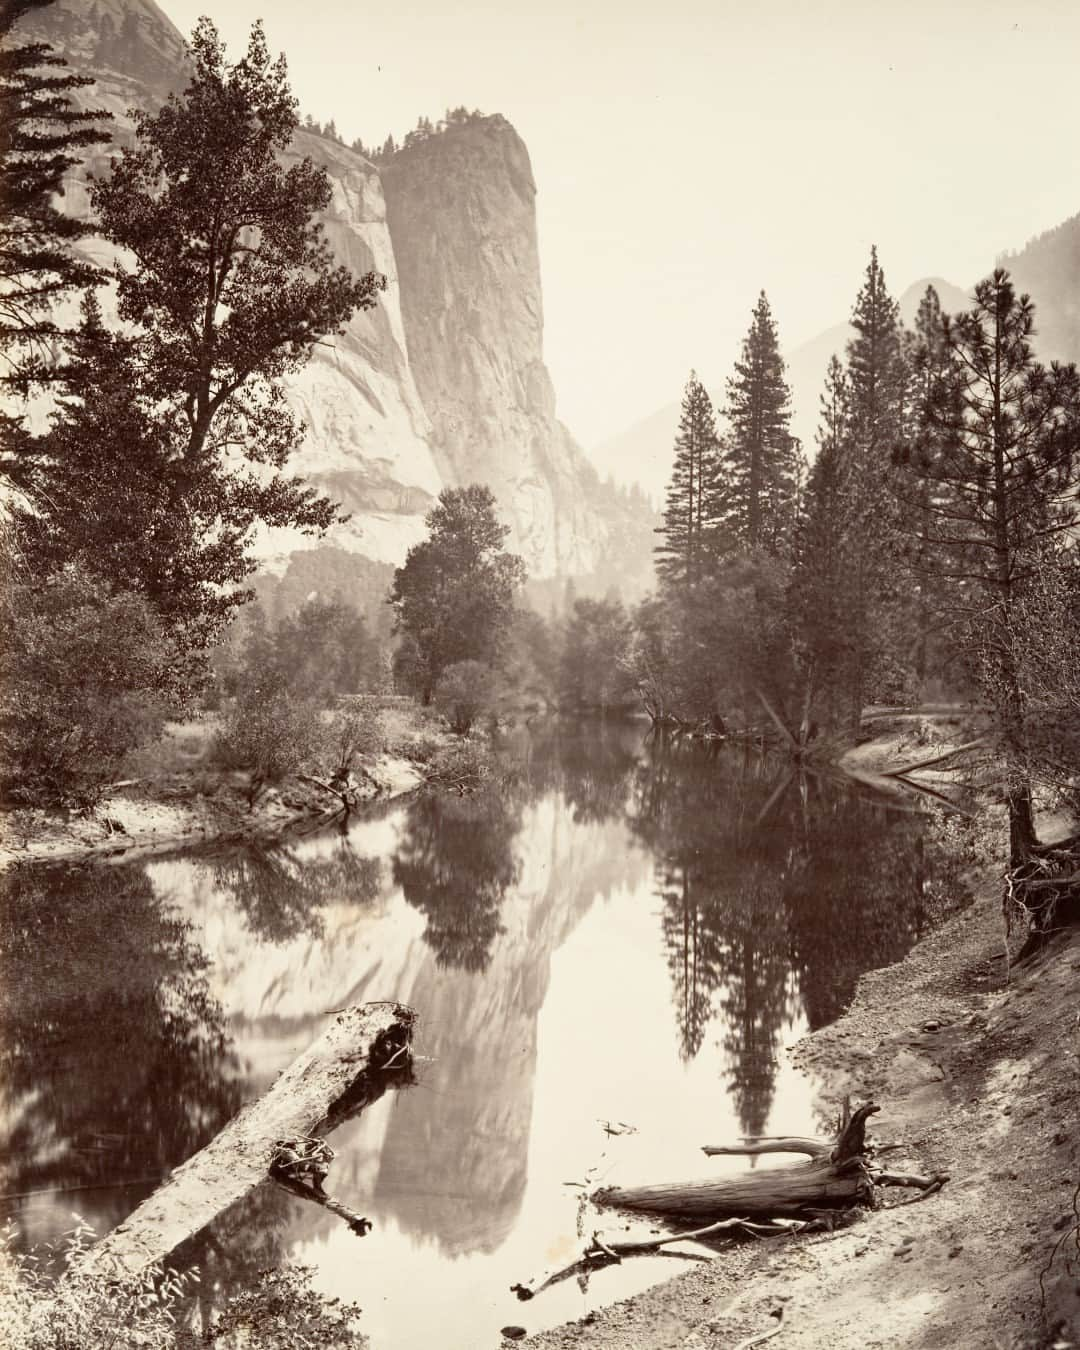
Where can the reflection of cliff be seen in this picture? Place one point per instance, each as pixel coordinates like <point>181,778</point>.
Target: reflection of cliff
<point>453,1165</point>
<point>446,1159</point>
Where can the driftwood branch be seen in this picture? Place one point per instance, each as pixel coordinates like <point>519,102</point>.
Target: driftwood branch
<point>787,1191</point>
<point>764,1336</point>
<point>361,1054</point>
<point>836,1177</point>
<point>340,787</point>
<point>753,1145</point>
<point>603,1252</point>
<point>933,760</point>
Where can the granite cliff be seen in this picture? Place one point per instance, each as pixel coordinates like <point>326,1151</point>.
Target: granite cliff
<point>444,383</point>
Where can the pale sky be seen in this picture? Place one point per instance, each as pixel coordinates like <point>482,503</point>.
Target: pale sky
<point>688,154</point>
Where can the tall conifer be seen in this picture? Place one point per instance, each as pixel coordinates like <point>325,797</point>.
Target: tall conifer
<point>876,383</point>
<point>42,136</point>
<point>691,511</point>
<point>762,459</point>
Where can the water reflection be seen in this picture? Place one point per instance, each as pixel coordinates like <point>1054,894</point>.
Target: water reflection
<point>779,890</point>
<point>116,1059</point>
<point>455,863</point>
<point>282,894</point>
<point>626,929</point>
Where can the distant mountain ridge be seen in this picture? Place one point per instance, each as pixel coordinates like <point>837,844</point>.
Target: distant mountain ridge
<point>1047,268</point>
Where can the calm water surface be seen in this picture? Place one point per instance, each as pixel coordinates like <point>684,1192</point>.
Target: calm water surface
<point>627,933</point>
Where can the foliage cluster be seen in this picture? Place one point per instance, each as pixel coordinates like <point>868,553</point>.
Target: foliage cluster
<point>271,733</point>
<point>86,675</point>
<point>281,1311</point>
<point>322,652</point>
<point>169,437</point>
<point>453,599</point>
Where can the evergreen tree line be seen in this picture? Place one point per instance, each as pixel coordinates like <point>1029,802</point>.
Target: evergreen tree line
<point>929,549</point>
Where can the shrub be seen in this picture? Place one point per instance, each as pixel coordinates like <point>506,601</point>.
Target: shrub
<point>351,733</point>
<point>280,1312</point>
<point>270,734</point>
<point>465,692</point>
<point>82,1312</point>
<point>85,678</point>
<point>464,768</point>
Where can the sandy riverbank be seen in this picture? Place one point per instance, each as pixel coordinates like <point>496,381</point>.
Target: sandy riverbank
<point>976,1076</point>
<point>182,810</point>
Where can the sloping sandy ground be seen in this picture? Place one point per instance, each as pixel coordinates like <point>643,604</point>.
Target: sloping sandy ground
<point>975,1077</point>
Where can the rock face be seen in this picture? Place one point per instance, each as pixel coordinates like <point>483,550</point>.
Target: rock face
<point>444,383</point>
<point>461,209</point>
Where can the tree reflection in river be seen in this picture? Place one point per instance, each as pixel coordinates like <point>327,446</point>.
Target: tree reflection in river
<point>455,863</point>
<point>775,890</point>
<point>282,895</point>
<point>115,1058</point>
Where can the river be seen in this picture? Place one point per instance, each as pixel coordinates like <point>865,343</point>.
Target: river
<point>625,933</point>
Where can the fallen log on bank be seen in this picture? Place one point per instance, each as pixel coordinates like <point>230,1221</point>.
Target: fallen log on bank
<point>365,1051</point>
<point>836,1177</point>
<point>817,1195</point>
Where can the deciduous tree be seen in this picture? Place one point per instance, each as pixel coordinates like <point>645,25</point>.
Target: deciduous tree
<point>454,596</point>
<point>179,427</point>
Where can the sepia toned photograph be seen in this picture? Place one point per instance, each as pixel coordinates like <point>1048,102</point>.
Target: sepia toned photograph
<point>539,675</point>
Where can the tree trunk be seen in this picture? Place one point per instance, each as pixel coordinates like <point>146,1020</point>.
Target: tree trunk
<point>364,1051</point>
<point>835,1178</point>
<point>781,1191</point>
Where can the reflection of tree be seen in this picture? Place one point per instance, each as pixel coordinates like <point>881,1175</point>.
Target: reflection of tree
<point>282,894</point>
<point>454,863</point>
<point>754,1003</point>
<point>723,912</point>
<point>591,764</point>
<point>693,957</point>
<point>114,1054</point>
<point>761,882</point>
<point>861,895</point>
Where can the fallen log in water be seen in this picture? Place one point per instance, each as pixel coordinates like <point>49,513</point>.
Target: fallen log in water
<point>363,1052</point>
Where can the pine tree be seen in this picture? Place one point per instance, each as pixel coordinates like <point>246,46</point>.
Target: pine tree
<point>926,362</point>
<point>691,512</point>
<point>1000,450</point>
<point>822,573</point>
<point>762,458</point>
<point>42,137</point>
<point>876,381</point>
<point>875,370</point>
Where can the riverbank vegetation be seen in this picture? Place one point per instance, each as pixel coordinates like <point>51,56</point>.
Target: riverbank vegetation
<point>929,549</point>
